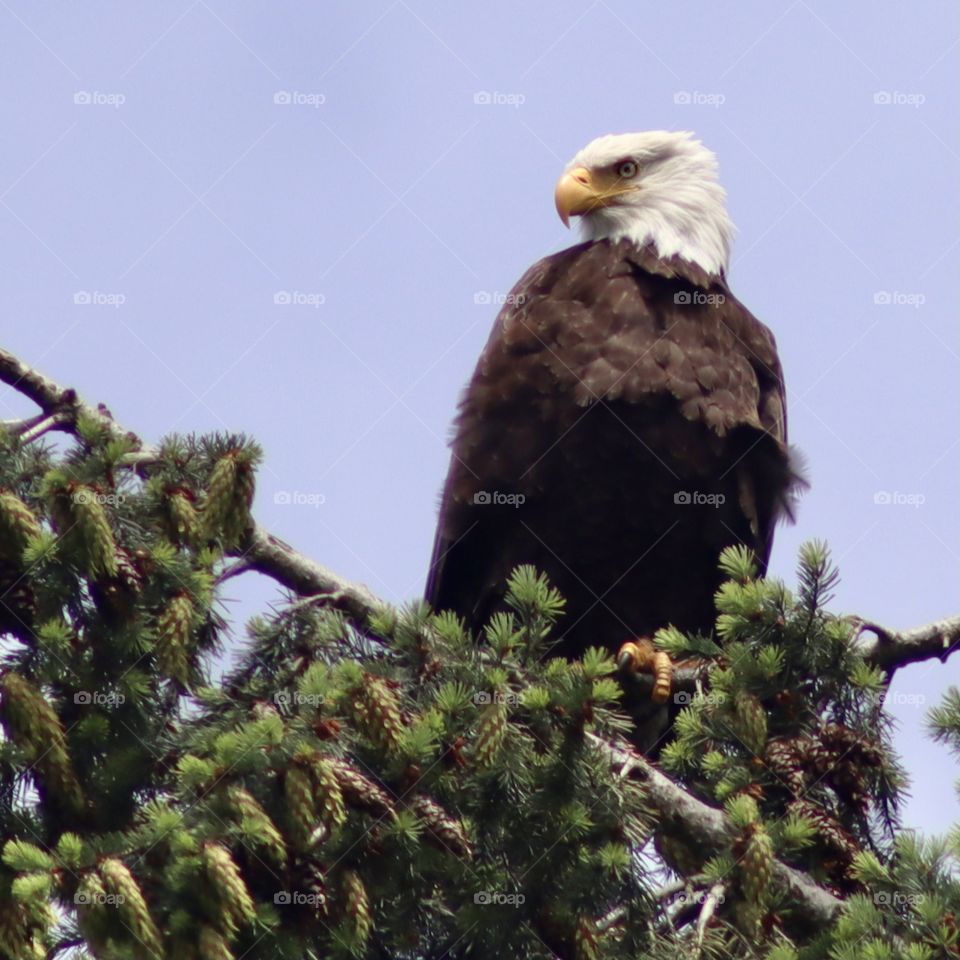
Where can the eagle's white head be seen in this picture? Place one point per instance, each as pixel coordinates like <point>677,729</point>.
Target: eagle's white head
<point>659,186</point>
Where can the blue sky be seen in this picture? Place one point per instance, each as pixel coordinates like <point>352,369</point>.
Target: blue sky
<point>295,221</point>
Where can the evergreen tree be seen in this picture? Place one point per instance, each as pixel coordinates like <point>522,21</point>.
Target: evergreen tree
<point>374,782</point>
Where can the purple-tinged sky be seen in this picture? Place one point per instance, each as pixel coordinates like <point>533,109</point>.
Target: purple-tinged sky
<point>295,220</point>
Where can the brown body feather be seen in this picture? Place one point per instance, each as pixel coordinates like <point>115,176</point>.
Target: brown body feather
<point>615,392</point>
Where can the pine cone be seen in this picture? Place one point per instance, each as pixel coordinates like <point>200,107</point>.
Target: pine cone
<point>95,539</point>
<point>133,908</point>
<point>116,596</point>
<point>236,905</point>
<point>213,945</point>
<point>183,521</point>
<point>33,725</point>
<point>256,822</point>
<point>299,793</point>
<point>781,757</point>
<point>17,526</point>
<point>357,905</point>
<point>329,795</point>
<point>309,875</point>
<point>378,711</point>
<point>173,638</point>
<point>491,731</point>
<point>226,514</point>
<point>447,833</point>
<point>839,843</point>
<point>750,723</point>
<point>14,930</point>
<point>756,864</point>
<point>586,939</point>
<point>361,792</point>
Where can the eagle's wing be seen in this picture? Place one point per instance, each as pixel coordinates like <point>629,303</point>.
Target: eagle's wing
<point>464,573</point>
<point>605,325</point>
<point>773,478</point>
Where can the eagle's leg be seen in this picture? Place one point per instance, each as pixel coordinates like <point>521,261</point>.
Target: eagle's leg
<point>640,656</point>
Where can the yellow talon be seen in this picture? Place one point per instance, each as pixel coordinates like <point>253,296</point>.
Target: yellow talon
<point>640,656</point>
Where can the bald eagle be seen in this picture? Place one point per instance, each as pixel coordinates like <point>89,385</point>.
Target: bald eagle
<point>626,420</point>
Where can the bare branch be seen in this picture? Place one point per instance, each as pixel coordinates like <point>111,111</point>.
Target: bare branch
<point>892,649</point>
<point>685,817</point>
<point>60,405</point>
<point>46,394</point>
<point>270,555</point>
<point>55,421</point>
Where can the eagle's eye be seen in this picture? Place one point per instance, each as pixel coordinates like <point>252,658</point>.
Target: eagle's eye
<point>627,169</point>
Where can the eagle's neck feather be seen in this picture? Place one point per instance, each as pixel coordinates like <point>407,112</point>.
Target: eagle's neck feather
<point>688,220</point>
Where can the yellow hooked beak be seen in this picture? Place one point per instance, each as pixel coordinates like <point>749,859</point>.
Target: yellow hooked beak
<point>579,191</point>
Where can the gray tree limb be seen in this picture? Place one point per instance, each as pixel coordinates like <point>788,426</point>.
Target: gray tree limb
<point>683,816</point>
